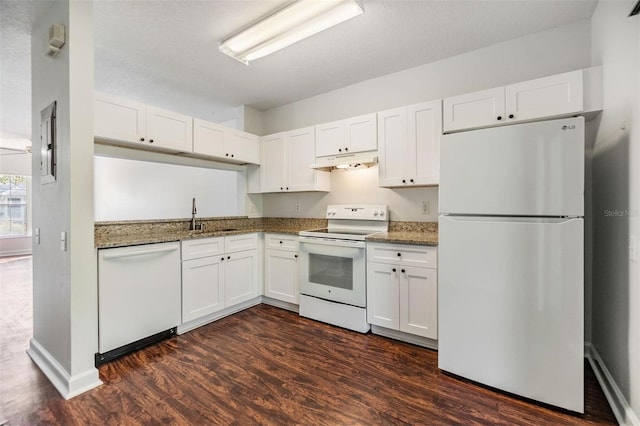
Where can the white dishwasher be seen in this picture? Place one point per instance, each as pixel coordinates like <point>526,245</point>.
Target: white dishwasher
<point>139,297</point>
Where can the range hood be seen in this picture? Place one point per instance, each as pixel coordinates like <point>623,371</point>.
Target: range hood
<point>346,161</point>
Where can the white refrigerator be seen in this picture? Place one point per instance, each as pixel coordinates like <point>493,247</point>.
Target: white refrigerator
<point>510,259</point>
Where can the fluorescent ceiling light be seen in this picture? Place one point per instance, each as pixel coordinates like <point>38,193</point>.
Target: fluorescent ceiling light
<point>296,21</point>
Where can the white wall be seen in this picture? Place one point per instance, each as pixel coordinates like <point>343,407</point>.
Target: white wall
<point>615,165</point>
<point>550,52</point>
<point>65,320</point>
<point>16,164</point>
<point>136,190</point>
<point>554,51</point>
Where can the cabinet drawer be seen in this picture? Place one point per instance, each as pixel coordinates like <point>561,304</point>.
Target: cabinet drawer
<point>282,242</point>
<point>240,242</point>
<point>195,249</point>
<point>406,255</point>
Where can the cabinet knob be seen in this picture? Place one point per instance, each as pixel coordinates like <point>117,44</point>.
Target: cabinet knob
<point>231,155</point>
<point>227,154</point>
<point>346,149</point>
<point>287,188</point>
<point>404,181</point>
<point>150,140</point>
<point>141,139</point>
<point>511,116</point>
<point>499,117</point>
<point>222,258</point>
<point>399,254</point>
<point>229,257</point>
<point>394,269</point>
<point>402,270</point>
<point>280,242</point>
<point>295,255</point>
<point>281,188</point>
<point>339,149</point>
<point>411,180</point>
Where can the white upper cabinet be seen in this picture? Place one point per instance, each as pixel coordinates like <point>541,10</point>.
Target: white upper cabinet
<point>223,143</point>
<point>409,145</point>
<point>167,129</point>
<point>119,120</point>
<point>553,96</point>
<point>357,134</point>
<point>286,163</point>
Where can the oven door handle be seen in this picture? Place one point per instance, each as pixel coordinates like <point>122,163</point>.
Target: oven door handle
<point>332,242</point>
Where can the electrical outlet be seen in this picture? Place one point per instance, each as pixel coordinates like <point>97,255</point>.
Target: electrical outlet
<point>297,207</point>
<point>425,207</point>
<point>632,248</point>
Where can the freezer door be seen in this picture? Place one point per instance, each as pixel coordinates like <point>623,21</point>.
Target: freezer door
<point>532,169</point>
<point>510,305</point>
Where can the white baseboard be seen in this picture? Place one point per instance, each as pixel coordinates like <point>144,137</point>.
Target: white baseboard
<point>192,325</point>
<point>280,304</point>
<point>68,386</point>
<point>619,404</point>
<point>11,253</point>
<point>405,337</point>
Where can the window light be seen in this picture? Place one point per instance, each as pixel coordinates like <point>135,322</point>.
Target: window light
<point>296,21</point>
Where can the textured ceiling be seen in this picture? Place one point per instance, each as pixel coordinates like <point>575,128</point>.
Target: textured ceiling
<point>173,45</point>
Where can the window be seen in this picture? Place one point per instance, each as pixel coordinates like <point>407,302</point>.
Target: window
<point>14,195</point>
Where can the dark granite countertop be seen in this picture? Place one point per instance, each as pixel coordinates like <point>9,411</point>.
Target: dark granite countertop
<point>129,233</point>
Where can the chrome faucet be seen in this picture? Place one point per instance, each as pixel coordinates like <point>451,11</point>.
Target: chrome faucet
<point>194,226</point>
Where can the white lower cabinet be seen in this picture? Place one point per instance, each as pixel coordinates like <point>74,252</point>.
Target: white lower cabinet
<point>281,268</point>
<point>400,296</point>
<point>218,273</point>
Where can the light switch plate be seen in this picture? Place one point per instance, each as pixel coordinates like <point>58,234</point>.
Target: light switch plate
<point>63,241</point>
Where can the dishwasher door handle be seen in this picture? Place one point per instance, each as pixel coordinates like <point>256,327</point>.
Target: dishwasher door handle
<point>139,253</point>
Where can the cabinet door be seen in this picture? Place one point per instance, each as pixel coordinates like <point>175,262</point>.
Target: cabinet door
<point>330,138</point>
<point>118,119</point>
<point>300,156</point>
<point>474,110</point>
<point>243,147</point>
<point>419,301</point>
<point>240,277</point>
<point>383,295</point>
<point>556,95</point>
<point>281,275</point>
<point>403,254</point>
<point>202,289</point>
<point>169,130</point>
<point>282,242</point>
<point>423,150</point>
<point>273,164</point>
<point>361,133</point>
<point>208,138</point>
<point>394,148</point>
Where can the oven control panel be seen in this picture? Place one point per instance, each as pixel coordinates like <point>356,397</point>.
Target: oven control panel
<point>358,211</point>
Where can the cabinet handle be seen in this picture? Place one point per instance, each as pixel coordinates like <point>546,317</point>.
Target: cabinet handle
<point>281,188</point>
<point>228,257</point>
<point>295,255</point>
<point>404,181</point>
<point>222,258</point>
<point>394,269</point>
<point>511,115</point>
<point>150,140</point>
<point>399,254</point>
<point>280,242</point>
<point>402,270</point>
<point>339,149</point>
<point>287,188</point>
<point>227,154</point>
<point>231,155</point>
<point>141,139</point>
<point>346,149</point>
<point>499,117</point>
<point>411,180</point>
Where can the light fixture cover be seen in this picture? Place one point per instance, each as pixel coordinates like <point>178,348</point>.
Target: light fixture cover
<point>296,21</point>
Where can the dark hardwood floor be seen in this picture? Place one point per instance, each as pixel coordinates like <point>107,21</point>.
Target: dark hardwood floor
<point>261,366</point>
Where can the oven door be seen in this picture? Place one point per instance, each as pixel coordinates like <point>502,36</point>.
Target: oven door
<point>334,270</point>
